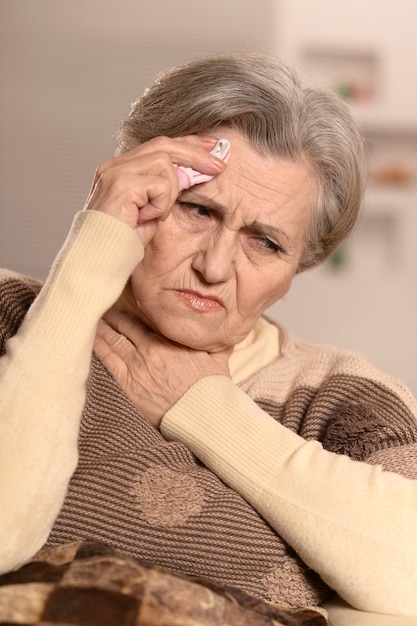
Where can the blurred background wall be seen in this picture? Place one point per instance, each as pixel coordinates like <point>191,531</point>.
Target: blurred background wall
<point>69,71</point>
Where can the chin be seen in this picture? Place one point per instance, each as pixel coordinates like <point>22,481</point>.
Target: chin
<point>195,344</point>
<point>186,337</point>
<point>200,334</point>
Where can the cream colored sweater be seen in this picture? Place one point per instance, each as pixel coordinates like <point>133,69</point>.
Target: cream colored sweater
<point>351,521</point>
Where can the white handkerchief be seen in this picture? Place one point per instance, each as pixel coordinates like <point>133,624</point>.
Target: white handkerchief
<point>188,177</point>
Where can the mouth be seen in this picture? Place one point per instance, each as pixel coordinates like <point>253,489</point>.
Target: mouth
<point>199,302</point>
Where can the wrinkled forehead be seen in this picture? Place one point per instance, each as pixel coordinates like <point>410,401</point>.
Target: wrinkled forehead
<point>255,185</point>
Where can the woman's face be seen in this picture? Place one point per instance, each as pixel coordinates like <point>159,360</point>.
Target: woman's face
<point>228,250</point>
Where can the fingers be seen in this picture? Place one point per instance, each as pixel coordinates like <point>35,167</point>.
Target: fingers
<point>116,342</point>
<point>152,371</point>
<point>111,347</point>
<point>124,326</point>
<point>142,185</point>
<point>111,340</point>
<point>191,151</point>
<point>136,195</point>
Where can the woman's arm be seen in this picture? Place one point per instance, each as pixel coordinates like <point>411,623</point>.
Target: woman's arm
<point>353,523</point>
<point>46,365</point>
<point>43,376</point>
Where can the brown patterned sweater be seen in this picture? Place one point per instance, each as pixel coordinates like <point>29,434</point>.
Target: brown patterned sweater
<point>241,486</point>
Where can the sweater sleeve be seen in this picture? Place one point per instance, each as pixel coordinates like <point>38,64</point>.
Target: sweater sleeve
<point>43,376</point>
<point>353,523</point>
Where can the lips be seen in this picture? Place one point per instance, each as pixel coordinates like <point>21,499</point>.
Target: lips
<point>200,302</point>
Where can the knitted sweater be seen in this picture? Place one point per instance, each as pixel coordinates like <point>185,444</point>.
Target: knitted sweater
<point>296,480</point>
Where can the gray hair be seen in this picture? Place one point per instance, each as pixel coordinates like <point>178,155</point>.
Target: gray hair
<point>270,105</point>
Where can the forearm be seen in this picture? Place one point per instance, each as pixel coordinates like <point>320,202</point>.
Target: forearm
<point>43,376</point>
<point>353,523</point>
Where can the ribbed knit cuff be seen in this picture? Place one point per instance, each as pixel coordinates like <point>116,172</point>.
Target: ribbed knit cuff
<point>228,432</point>
<point>86,278</point>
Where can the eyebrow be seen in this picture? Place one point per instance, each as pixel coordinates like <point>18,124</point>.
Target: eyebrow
<point>221,208</point>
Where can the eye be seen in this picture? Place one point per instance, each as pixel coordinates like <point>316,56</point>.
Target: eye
<point>268,244</point>
<point>196,210</point>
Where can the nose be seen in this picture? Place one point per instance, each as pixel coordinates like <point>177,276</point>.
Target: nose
<point>215,260</point>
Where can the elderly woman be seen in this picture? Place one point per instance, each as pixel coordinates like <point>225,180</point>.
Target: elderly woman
<point>201,435</point>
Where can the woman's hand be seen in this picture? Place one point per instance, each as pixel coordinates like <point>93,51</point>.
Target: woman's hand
<point>141,186</point>
<point>153,372</point>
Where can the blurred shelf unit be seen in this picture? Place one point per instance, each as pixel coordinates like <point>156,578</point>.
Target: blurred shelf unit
<point>392,154</point>
<point>353,74</point>
<point>365,53</point>
<point>358,76</point>
<point>363,77</point>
